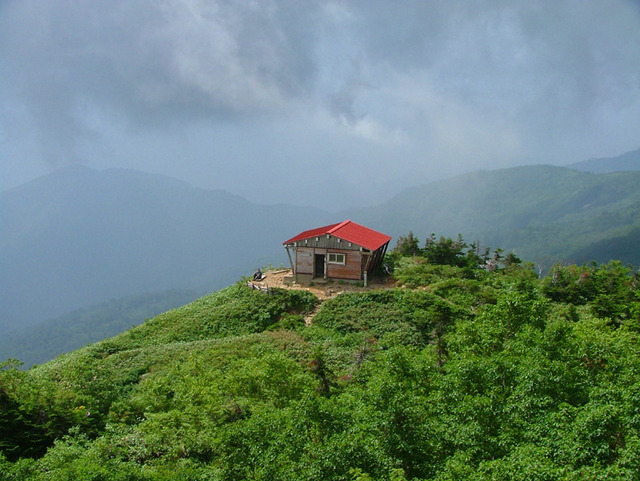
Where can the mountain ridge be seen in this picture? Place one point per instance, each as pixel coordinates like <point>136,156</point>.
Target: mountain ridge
<point>82,236</point>
<point>88,235</point>
<point>629,161</point>
<point>538,211</point>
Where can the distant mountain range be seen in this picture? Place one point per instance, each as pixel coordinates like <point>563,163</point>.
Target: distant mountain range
<point>84,326</point>
<point>79,236</point>
<point>545,214</point>
<point>625,162</point>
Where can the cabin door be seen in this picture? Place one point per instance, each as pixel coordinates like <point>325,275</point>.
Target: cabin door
<point>318,266</point>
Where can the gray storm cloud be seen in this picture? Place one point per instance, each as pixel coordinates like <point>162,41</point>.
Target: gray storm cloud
<point>158,57</point>
<point>291,91</point>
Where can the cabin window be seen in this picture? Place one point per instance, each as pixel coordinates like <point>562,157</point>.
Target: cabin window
<point>336,258</point>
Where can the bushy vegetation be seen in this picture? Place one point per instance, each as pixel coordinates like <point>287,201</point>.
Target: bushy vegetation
<point>463,370</point>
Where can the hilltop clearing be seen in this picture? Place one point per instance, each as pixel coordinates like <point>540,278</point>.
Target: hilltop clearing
<point>323,289</point>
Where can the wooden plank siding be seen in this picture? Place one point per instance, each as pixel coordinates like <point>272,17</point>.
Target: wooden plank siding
<point>327,242</point>
<point>304,260</point>
<point>305,256</point>
<point>350,270</point>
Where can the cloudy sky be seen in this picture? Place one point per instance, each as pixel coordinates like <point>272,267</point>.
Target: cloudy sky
<point>299,101</point>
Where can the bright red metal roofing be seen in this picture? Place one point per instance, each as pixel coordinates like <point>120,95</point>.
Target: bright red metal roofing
<point>348,231</point>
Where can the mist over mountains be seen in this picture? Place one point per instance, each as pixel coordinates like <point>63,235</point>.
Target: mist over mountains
<point>79,237</point>
<point>629,161</point>
<point>545,214</point>
<point>72,330</point>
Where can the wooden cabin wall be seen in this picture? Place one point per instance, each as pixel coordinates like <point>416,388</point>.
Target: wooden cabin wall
<point>356,259</point>
<point>304,260</point>
<point>352,268</point>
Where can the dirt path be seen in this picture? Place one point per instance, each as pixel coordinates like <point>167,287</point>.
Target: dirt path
<point>322,291</point>
<point>308,318</point>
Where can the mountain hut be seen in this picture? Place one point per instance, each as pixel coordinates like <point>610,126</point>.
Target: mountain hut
<point>344,251</point>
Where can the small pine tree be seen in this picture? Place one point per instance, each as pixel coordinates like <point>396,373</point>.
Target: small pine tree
<point>408,246</point>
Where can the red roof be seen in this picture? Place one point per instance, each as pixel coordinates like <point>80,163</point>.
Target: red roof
<point>348,231</point>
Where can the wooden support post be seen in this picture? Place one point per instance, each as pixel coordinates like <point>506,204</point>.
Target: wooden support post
<point>293,271</point>
<point>326,255</point>
<point>367,264</point>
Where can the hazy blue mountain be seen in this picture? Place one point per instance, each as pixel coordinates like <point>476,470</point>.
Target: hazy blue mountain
<point>80,236</point>
<point>625,162</point>
<point>48,339</point>
<point>543,213</point>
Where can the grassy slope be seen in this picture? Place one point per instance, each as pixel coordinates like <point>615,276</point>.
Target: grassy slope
<point>233,386</point>
<point>71,331</point>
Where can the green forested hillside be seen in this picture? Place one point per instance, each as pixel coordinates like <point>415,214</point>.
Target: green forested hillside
<point>457,372</point>
<point>48,339</point>
<point>545,213</point>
